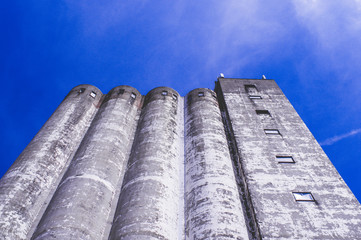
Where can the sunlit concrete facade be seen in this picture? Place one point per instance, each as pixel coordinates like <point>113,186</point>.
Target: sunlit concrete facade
<point>234,163</point>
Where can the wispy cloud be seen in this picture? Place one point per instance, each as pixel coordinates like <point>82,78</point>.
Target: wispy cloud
<point>234,31</point>
<point>241,32</point>
<point>226,35</point>
<point>334,28</point>
<point>335,139</point>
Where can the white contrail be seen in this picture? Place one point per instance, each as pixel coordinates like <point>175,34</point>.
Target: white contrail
<point>334,139</point>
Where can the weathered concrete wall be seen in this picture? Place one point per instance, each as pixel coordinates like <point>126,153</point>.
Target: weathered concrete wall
<point>212,207</point>
<point>335,214</point>
<point>184,179</point>
<point>25,188</point>
<point>245,197</point>
<point>149,202</point>
<point>82,204</point>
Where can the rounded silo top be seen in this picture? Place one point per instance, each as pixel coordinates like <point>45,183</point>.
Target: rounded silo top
<point>164,93</point>
<point>131,94</point>
<point>201,94</point>
<point>85,90</point>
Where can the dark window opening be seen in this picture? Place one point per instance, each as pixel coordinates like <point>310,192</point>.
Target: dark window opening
<point>174,97</point>
<point>81,90</point>
<point>200,94</point>
<point>133,95</point>
<point>264,115</point>
<point>164,93</point>
<point>121,91</point>
<point>251,89</point>
<point>263,112</point>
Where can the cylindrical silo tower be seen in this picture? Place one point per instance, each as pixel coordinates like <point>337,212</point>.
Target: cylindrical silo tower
<point>27,186</point>
<point>82,204</point>
<point>212,204</point>
<point>148,206</point>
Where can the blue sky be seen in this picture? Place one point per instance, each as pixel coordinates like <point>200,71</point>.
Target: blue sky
<point>311,48</point>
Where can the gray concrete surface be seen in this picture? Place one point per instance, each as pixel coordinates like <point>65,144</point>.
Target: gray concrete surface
<point>165,167</point>
<point>212,208</point>
<point>82,204</point>
<point>149,202</point>
<point>26,186</point>
<point>335,213</point>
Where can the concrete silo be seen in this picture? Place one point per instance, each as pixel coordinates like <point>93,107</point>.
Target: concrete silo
<point>82,205</point>
<point>212,204</point>
<point>27,186</point>
<point>149,202</point>
<point>237,165</point>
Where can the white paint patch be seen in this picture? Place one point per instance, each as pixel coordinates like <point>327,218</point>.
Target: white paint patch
<point>95,178</point>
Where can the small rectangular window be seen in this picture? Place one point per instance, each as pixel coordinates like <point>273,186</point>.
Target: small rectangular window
<point>81,90</point>
<point>251,89</point>
<point>214,96</point>
<point>285,159</point>
<point>263,112</point>
<point>303,197</point>
<point>272,132</point>
<point>174,97</point>
<point>255,97</point>
<point>164,93</point>
<point>200,94</point>
<point>92,94</point>
<point>133,95</point>
<point>264,115</point>
<point>121,91</point>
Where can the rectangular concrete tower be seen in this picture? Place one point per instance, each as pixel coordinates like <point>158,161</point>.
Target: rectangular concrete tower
<point>289,187</point>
